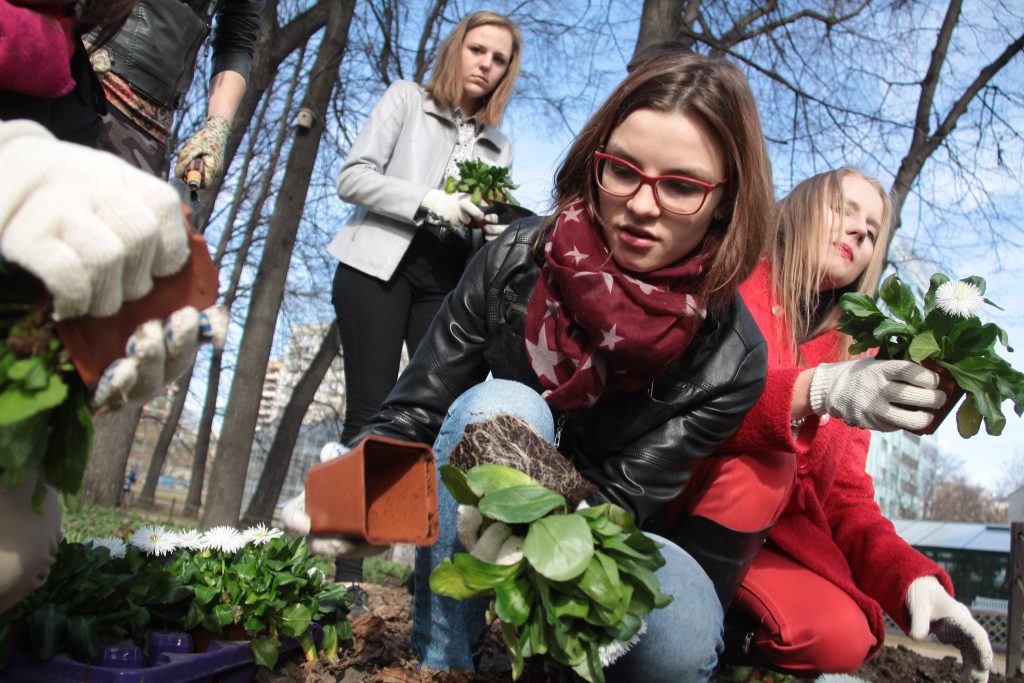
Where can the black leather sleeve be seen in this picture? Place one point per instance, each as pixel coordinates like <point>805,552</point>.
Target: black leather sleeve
<point>234,38</point>
<point>449,360</point>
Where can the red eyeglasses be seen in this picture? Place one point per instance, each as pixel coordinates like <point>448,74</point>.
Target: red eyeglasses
<point>673,193</point>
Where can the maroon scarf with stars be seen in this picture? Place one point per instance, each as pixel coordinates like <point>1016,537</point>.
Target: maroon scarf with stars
<point>593,329</point>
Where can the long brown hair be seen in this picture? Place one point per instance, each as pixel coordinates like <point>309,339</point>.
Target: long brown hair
<point>717,94</point>
<point>445,84</point>
<point>795,255</point>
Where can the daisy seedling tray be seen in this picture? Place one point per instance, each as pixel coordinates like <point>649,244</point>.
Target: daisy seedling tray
<point>172,659</point>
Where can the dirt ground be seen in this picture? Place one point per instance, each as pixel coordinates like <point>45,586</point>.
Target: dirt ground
<point>380,653</point>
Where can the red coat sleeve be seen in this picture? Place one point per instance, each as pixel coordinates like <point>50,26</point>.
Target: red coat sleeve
<point>883,564</point>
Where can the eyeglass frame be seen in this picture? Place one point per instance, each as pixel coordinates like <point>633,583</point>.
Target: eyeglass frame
<point>645,179</point>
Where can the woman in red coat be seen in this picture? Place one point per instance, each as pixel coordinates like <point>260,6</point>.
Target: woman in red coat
<point>814,596</point>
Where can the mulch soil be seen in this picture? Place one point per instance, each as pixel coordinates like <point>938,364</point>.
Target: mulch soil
<point>380,653</point>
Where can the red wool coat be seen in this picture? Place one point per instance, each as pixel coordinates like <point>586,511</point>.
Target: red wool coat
<point>832,524</point>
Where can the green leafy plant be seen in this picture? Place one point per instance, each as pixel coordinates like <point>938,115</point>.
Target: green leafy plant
<point>264,585</point>
<point>583,586</point>
<point>45,424</point>
<point>945,332</point>
<point>483,182</point>
<point>96,595</point>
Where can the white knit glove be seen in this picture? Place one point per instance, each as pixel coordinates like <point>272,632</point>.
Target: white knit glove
<point>492,231</point>
<point>296,522</point>
<point>28,541</point>
<point>93,228</point>
<point>884,395</point>
<point>157,353</point>
<point>933,610</point>
<point>455,209</point>
<point>497,544</point>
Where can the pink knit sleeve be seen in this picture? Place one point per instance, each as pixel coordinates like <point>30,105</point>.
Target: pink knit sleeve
<point>34,56</point>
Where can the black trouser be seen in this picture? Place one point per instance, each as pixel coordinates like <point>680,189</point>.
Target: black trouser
<point>376,317</point>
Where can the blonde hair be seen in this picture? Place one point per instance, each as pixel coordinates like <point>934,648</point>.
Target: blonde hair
<point>795,256</point>
<point>717,94</point>
<point>445,84</point>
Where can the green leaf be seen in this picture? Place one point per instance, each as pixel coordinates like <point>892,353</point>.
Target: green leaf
<point>295,620</point>
<point>515,653</point>
<point>17,403</point>
<point>512,601</point>
<point>70,442</point>
<point>937,280</point>
<point>448,581</point>
<point>22,448</point>
<point>968,419</point>
<point>520,504</point>
<point>923,346</point>
<point>598,585</point>
<point>265,651</point>
<point>222,615</point>
<point>900,300</point>
<point>455,481</point>
<point>480,575</point>
<point>485,479</point>
<point>83,637</point>
<point>47,626</point>
<point>559,547</point>
<point>204,594</point>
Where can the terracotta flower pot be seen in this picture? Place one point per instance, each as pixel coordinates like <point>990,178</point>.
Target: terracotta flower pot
<point>953,392</point>
<point>383,490</point>
<point>95,343</point>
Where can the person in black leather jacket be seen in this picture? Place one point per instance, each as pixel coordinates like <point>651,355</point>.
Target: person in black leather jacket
<point>614,327</point>
<point>148,66</point>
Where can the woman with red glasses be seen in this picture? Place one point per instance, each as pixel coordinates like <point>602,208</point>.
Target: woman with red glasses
<point>614,328</point>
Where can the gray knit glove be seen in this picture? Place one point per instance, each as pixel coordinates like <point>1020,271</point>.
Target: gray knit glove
<point>884,395</point>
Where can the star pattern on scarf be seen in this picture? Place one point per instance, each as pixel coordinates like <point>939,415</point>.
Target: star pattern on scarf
<point>607,277</point>
<point>576,255</point>
<point>610,338</point>
<point>542,358</point>
<point>693,309</point>
<point>572,214</point>
<point>644,287</point>
<point>552,309</point>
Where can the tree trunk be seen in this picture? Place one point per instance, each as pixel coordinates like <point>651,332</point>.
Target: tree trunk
<point>279,458</point>
<point>111,447</point>
<point>163,442</point>
<point>198,474</point>
<point>659,22</point>
<point>227,477</point>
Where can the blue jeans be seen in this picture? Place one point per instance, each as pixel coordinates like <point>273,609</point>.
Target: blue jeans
<point>683,640</point>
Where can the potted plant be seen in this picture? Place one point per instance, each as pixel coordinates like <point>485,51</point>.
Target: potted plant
<point>580,591</point>
<point>945,334</point>
<point>488,184</point>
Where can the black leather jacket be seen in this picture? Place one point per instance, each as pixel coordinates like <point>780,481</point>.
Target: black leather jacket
<point>638,448</point>
<point>156,49</point>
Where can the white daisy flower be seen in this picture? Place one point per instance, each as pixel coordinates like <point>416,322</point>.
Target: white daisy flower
<point>260,534</point>
<point>959,298</point>
<point>226,539</point>
<point>115,546</point>
<point>191,539</point>
<point>155,540</point>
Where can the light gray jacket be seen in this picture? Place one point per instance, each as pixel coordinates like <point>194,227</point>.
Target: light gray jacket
<point>400,154</point>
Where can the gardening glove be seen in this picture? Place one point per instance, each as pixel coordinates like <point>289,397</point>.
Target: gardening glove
<point>455,209</point>
<point>884,395</point>
<point>296,522</point>
<point>933,610</point>
<point>156,354</point>
<point>496,545</point>
<point>28,541</point>
<point>208,146</point>
<point>492,231</point>
<point>93,228</point>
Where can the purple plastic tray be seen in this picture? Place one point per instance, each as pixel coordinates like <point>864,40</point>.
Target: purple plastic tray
<point>171,660</point>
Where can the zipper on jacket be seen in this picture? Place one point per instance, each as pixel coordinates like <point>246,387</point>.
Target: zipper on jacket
<point>558,429</point>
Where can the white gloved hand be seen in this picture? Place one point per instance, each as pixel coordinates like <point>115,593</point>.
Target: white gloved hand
<point>157,354</point>
<point>296,522</point>
<point>455,209</point>
<point>28,541</point>
<point>93,228</point>
<point>492,231</point>
<point>884,395</point>
<point>496,545</point>
<point>933,610</point>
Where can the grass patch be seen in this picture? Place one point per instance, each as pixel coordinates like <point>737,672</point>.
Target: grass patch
<point>87,520</point>
<point>380,570</point>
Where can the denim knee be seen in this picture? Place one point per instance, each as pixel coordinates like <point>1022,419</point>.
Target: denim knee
<point>500,397</point>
